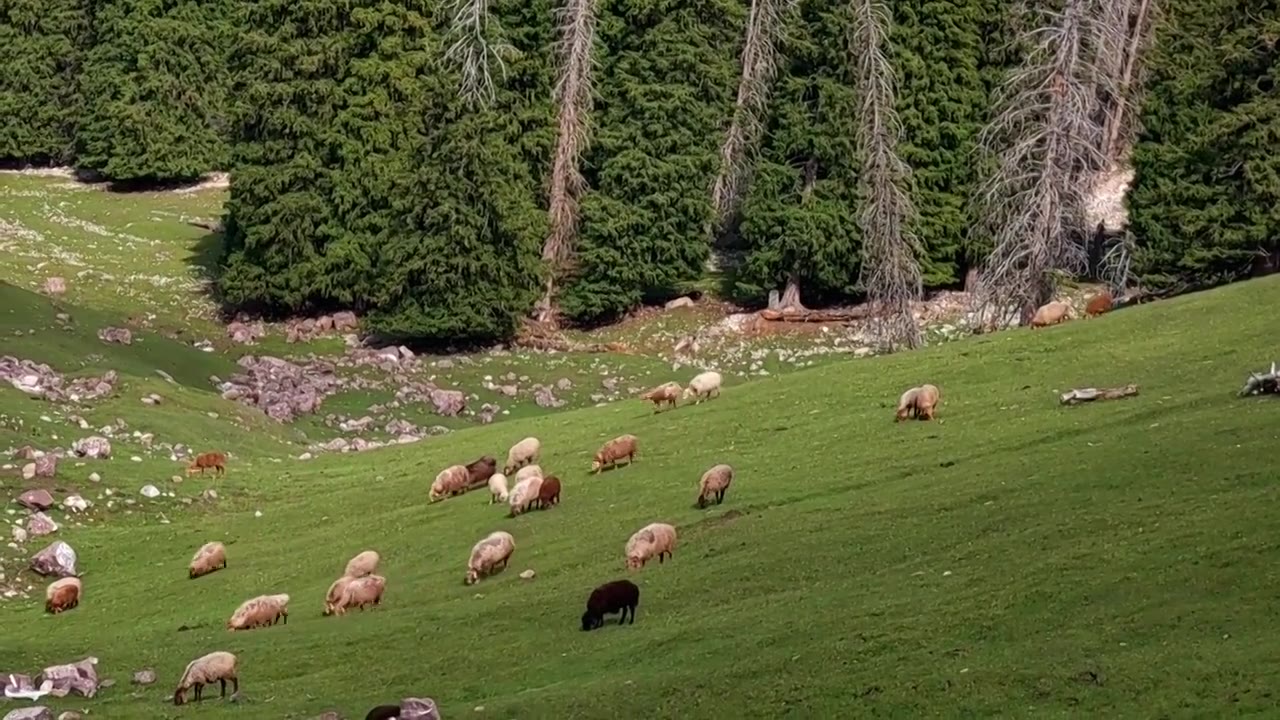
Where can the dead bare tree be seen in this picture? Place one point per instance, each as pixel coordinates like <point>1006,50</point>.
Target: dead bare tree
<point>1130,26</point>
<point>1045,143</point>
<point>890,268</point>
<point>476,43</point>
<point>759,66</point>
<point>573,98</point>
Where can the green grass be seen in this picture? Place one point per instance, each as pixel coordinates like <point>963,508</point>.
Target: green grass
<point>1014,558</point>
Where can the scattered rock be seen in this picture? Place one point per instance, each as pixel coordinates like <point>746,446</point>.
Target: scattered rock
<point>280,388</point>
<point>122,336</point>
<point>445,364</point>
<point>610,384</point>
<point>150,491</point>
<point>448,402</point>
<point>345,322</point>
<point>46,466</point>
<point>79,677</point>
<point>38,499</point>
<point>679,302</point>
<point>152,399</point>
<point>95,477</point>
<point>75,503</point>
<point>40,525</point>
<point>487,413</point>
<point>71,715</point>
<point>356,425</point>
<point>40,380</point>
<point>35,712</point>
<point>26,452</point>
<point>19,535</point>
<point>209,495</point>
<point>245,333</point>
<point>528,575</point>
<point>54,286</point>
<point>508,390</point>
<point>29,471</point>
<point>145,676</point>
<point>400,427</point>
<point>57,559</point>
<point>564,384</point>
<point>329,715</point>
<point>94,446</point>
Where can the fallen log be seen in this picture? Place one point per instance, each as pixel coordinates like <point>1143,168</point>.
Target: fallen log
<point>1262,383</point>
<point>816,316</point>
<point>1083,395</point>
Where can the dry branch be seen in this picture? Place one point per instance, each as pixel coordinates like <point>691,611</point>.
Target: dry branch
<point>1083,395</point>
<point>1262,383</point>
<point>817,316</point>
<point>1045,142</point>
<point>1123,53</point>
<point>573,96</point>
<point>475,45</point>
<point>890,269</point>
<point>759,66</point>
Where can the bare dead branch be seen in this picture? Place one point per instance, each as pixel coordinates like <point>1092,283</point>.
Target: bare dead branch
<point>1084,395</point>
<point>1126,51</point>
<point>573,98</point>
<point>890,269</point>
<point>477,40</point>
<point>759,66</point>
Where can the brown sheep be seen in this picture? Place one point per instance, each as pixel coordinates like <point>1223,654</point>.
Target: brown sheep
<point>479,472</point>
<point>715,482</point>
<point>1099,304</point>
<point>665,394</point>
<point>361,593</point>
<point>549,492</point>
<point>62,595</point>
<point>210,557</point>
<point>204,461</point>
<point>1051,314</point>
<point>918,402</point>
<point>623,446</point>
<point>216,666</point>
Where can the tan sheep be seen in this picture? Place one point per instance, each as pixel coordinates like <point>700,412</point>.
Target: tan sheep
<point>363,564</point>
<point>652,539</point>
<point>332,597</point>
<point>667,393</point>
<point>527,472</point>
<point>918,402</point>
<point>62,595</point>
<point>488,555</point>
<point>704,386</point>
<point>524,495</point>
<point>210,557</point>
<point>623,446</point>
<point>259,612</point>
<point>1051,313</point>
<point>715,482</point>
<point>361,593</point>
<point>451,481</point>
<point>498,488</point>
<point>217,667</point>
<point>522,453</point>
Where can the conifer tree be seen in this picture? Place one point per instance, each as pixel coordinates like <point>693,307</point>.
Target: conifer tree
<point>41,48</point>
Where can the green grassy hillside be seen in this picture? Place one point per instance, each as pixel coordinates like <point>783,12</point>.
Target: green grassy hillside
<point>1014,558</point>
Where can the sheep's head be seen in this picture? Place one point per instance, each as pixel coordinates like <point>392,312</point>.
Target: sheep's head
<point>688,392</point>
<point>472,577</point>
<point>634,562</point>
<point>508,469</point>
<point>591,621</point>
<point>179,696</point>
<point>597,463</point>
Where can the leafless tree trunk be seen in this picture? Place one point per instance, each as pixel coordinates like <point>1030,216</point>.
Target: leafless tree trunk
<point>1045,141</point>
<point>759,66</point>
<point>1123,53</point>
<point>475,44</point>
<point>890,269</point>
<point>573,98</point>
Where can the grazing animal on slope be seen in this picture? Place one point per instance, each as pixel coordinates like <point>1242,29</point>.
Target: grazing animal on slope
<point>332,597</point>
<point>665,394</point>
<point>451,481</point>
<point>623,446</point>
<point>204,461</point>
<point>498,491</point>
<point>704,386</point>
<point>524,495</point>
<point>527,472</point>
<point>384,712</point>
<point>488,555</point>
<point>210,557</point>
<point>361,593</point>
<point>549,492</point>
<point>62,595</point>
<point>216,666</point>
<point>479,472</point>
<point>1051,313</point>
<point>1099,304</point>
<point>364,563</point>
<point>522,453</point>
<point>918,402</point>
<point>609,598</point>
<point>652,539</point>
<point>715,482</point>
<point>260,611</point>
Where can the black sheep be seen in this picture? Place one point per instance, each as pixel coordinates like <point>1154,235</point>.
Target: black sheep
<point>610,598</point>
<point>384,712</point>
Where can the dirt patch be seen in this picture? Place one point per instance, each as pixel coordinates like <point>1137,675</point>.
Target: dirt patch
<point>716,521</point>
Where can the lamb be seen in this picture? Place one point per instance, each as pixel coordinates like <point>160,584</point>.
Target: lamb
<point>217,666</point>
<point>62,595</point>
<point>479,472</point>
<point>260,611</point>
<point>665,394</point>
<point>204,461</point>
<point>623,446</point>
<point>918,402</point>
<point>714,482</point>
<point>609,598</point>
<point>361,593</point>
<point>451,481</point>
<point>332,597</point>
<point>498,488</point>
<point>652,539</point>
<point>527,472</point>
<point>488,554</point>
<point>707,383</point>
<point>524,495</point>
<point>1099,304</point>
<point>211,556</point>
<point>363,564</point>
<point>522,453</point>
<point>549,492</point>
<point>1051,314</point>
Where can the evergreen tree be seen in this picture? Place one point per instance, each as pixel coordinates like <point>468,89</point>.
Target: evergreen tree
<point>666,87</point>
<point>155,89</point>
<point>41,43</point>
<point>1206,193</point>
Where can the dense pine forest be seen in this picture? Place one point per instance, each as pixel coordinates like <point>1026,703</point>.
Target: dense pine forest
<point>449,169</point>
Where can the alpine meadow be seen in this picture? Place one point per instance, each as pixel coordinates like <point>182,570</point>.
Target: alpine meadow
<point>586,359</point>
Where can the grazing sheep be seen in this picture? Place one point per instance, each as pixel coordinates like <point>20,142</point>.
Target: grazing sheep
<point>498,488</point>
<point>623,446</point>
<point>522,453</point>
<point>204,461</point>
<point>652,539</point>
<point>527,472</point>
<point>549,492</point>
<point>714,482</point>
<point>1051,314</point>
<point>361,593</point>
<point>259,612</point>
<point>479,472</point>
<point>1099,304</point>
<point>609,598</point>
<point>707,383</point>
<point>524,495</point>
<point>918,402</point>
<point>217,666</point>
<point>211,556</point>
<point>332,597</point>
<point>488,554</point>
<point>665,394</point>
<point>451,481</point>
<point>363,564</point>
<point>62,595</point>
<point>384,712</point>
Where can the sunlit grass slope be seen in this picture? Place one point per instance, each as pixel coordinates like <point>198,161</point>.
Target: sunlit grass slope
<point>1014,558</point>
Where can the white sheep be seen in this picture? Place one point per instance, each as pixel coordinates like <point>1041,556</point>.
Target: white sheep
<point>652,539</point>
<point>217,666</point>
<point>260,611</point>
<point>704,384</point>
<point>332,597</point>
<point>524,494</point>
<point>498,488</point>
<point>211,556</point>
<point>488,554</point>
<point>451,480</point>
<point>360,592</point>
<point>527,472</point>
<point>715,482</point>
<point>363,564</point>
<point>522,453</point>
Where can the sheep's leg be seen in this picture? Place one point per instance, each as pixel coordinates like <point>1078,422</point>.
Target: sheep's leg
<point>633,614</point>
<point>235,684</point>
<point>199,688</point>
<point>223,681</point>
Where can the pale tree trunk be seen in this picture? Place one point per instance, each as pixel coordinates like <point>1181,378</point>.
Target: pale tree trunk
<point>790,300</point>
